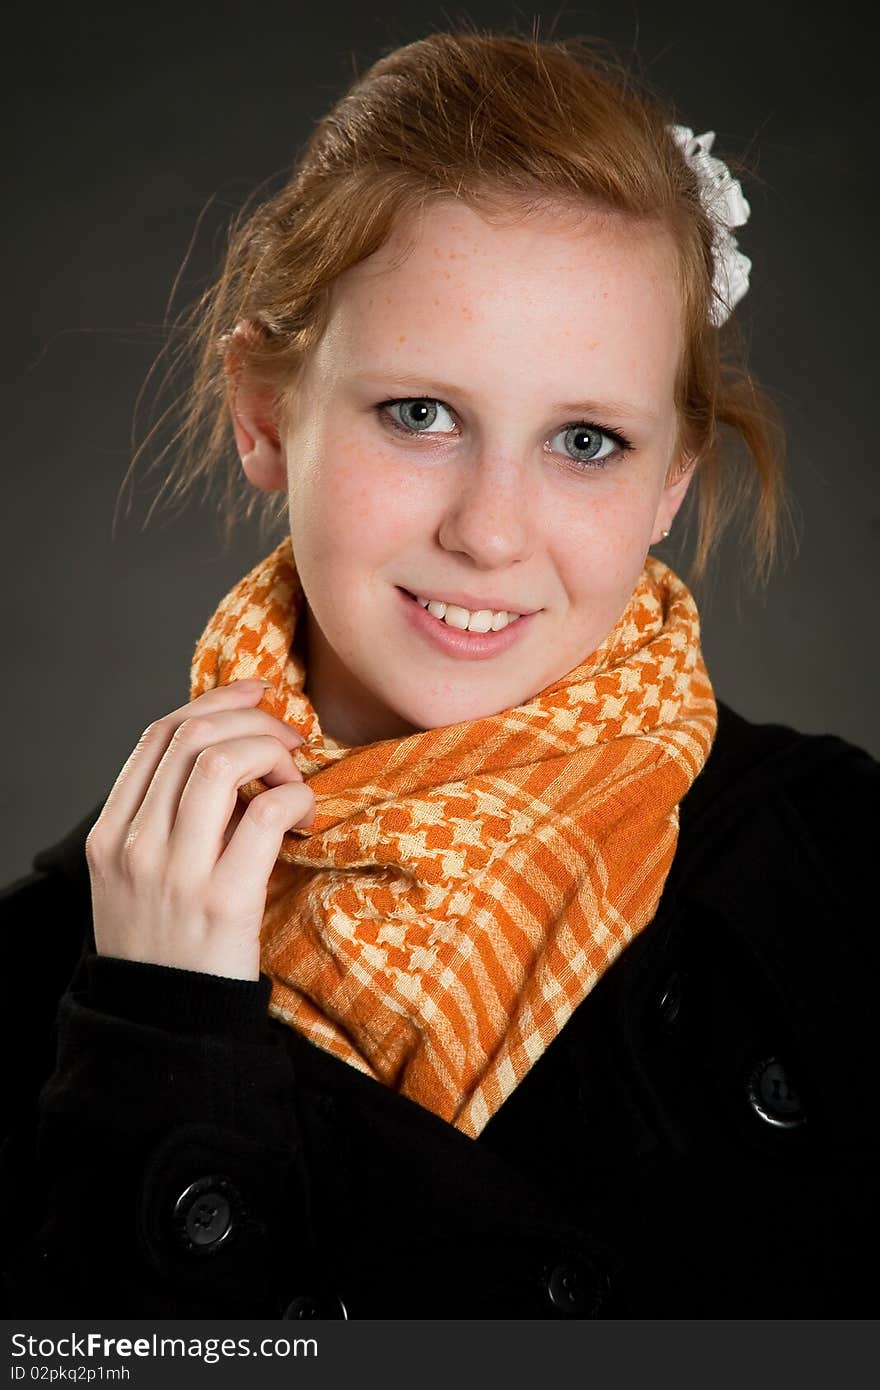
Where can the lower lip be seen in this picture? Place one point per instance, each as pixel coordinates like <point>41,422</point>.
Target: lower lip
<point>473,646</point>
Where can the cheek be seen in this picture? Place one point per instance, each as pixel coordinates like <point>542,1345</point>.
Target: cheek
<point>354,498</point>
<point>607,537</point>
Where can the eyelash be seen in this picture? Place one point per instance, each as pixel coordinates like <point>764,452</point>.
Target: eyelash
<point>581,466</point>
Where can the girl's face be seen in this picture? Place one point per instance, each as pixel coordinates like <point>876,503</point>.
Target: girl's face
<point>520,357</point>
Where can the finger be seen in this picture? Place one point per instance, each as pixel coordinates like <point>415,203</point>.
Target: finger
<point>241,806</point>
<point>253,848</point>
<point>208,800</point>
<point>134,780</point>
<point>232,824</point>
<point>157,815</point>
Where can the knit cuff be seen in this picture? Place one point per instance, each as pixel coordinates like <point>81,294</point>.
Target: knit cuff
<point>180,1001</point>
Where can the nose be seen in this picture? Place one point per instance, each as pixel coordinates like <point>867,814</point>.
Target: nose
<point>491,508</point>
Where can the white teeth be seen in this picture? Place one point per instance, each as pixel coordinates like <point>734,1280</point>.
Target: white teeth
<point>480,621</point>
<point>483,621</point>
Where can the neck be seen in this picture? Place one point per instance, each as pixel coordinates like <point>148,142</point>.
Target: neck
<point>347,711</point>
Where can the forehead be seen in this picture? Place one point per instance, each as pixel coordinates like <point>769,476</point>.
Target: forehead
<point>551,290</point>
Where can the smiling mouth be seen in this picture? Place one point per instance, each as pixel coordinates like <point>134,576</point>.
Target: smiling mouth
<point>510,622</point>
<point>462,644</point>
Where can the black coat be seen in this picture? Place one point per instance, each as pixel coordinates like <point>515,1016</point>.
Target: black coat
<point>700,1140</point>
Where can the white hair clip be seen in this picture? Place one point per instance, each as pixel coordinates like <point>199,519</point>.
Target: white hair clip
<point>722,197</point>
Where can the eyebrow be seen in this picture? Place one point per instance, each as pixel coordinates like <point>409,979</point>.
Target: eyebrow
<point>586,408</point>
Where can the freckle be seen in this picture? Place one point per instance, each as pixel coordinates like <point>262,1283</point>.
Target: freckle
<point>604,294</point>
<point>402,338</point>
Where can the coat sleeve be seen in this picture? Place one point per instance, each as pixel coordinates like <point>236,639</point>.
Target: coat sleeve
<point>150,1165</point>
<point>173,1151</point>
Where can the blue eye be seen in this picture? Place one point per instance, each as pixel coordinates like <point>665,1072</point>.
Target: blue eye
<point>422,413</point>
<point>582,439</point>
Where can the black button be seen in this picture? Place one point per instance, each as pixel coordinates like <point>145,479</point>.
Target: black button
<point>669,1001</point>
<point>576,1289</point>
<point>772,1096</point>
<point>206,1213</point>
<point>315,1306</point>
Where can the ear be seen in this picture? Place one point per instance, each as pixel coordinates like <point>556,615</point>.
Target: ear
<point>254,414</point>
<point>673,494</point>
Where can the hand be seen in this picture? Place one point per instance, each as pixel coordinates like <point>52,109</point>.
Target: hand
<point>179,872</point>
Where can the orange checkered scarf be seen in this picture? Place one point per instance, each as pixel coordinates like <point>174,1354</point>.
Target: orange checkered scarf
<point>462,889</point>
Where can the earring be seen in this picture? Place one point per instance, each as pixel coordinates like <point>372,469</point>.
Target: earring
<point>663,535</point>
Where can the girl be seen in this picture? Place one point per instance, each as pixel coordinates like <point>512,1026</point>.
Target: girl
<point>454,951</point>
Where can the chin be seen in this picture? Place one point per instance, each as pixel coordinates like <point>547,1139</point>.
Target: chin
<point>466,714</point>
